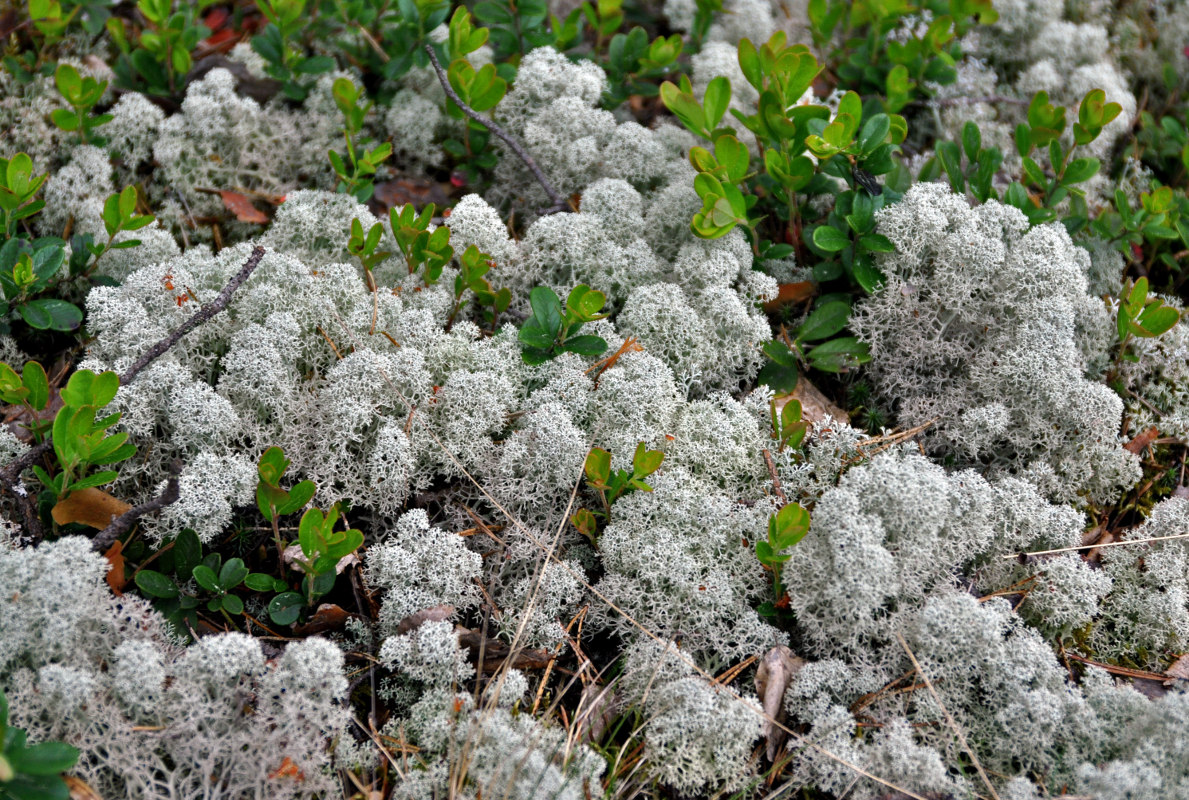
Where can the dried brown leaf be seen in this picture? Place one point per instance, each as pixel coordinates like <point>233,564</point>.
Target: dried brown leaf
<point>776,671</point>
<point>93,507</point>
<point>790,293</point>
<point>416,620</point>
<point>242,207</point>
<point>80,789</point>
<point>1142,440</point>
<point>115,575</point>
<point>328,617</point>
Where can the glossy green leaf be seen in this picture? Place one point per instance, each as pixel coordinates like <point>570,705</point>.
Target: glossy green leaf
<point>156,584</point>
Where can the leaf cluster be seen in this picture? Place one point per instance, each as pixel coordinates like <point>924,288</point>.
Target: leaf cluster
<point>82,94</point>
<point>31,772</point>
<point>862,53</point>
<point>30,268</point>
<point>613,484</point>
<point>812,346</point>
<point>80,440</point>
<point>551,329</point>
<point>155,57</point>
<point>356,166</point>
<point>215,578</point>
<point>786,528</point>
<point>287,61</point>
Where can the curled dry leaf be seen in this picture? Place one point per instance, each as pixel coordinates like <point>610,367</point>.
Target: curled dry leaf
<point>115,575</point>
<point>776,671</point>
<point>288,769</point>
<point>328,617</point>
<point>1179,671</point>
<point>93,507</point>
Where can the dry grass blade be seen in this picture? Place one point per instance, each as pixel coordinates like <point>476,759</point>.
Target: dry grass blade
<point>948,718</point>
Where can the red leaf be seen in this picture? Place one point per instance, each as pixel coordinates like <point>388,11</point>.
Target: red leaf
<point>288,769</point>
<point>242,207</point>
<point>791,293</point>
<point>115,575</point>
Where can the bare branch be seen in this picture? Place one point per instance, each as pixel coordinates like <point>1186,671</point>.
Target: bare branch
<point>10,474</point>
<point>559,203</point>
<point>204,314</point>
<point>121,524</point>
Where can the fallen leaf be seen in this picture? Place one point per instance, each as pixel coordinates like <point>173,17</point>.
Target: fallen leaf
<point>1142,440</point>
<point>242,207</point>
<point>246,85</point>
<point>288,769</point>
<point>595,712</point>
<point>815,406</point>
<point>419,618</point>
<point>92,507</point>
<point>80,789</point>
<point>328,617</point>
<point>115,575</point>
<point>401,191</point>
<point>1179,671</point>
<point>791,293</point>
<point>495,652</point>
<point>776,671</point>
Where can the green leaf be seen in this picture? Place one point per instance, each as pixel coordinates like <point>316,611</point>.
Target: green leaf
<point>598,467</point>
<point>232,604</point>
<point>47,758</point>
<point>299,495</point>
<point>91,481</point>
<point>586,345</point>
<point>1157,319</point>
<point>272,465</point>
<point>830,239</point>
<point>780,353</point>
<point>156,584</point>
<point>547,310</point>
<point>285,608</point>
<point>232,574</point>
<point>187,553</point>
<point>839,355</point>
<point>874,131</point>
<point>877,243</point>
<point>951,161</point>
<point>205,577</point>
<point>1079,170</point>
<point>825,321</point>
<point>51,314</point>
<point>34,379</point>
<point>645,462</point>
<point>259,582</point>
<point>791,525</point>
<point>972,141</point>
<point>716,100</point>
<point>533,335</point>
<point>779,378</point>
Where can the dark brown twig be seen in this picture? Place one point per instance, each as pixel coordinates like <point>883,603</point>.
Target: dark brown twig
<point>204,314</point>
<point>121,524</point>
<point>10,474</point>
<point>775,478</point>
<point>559,203</point>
